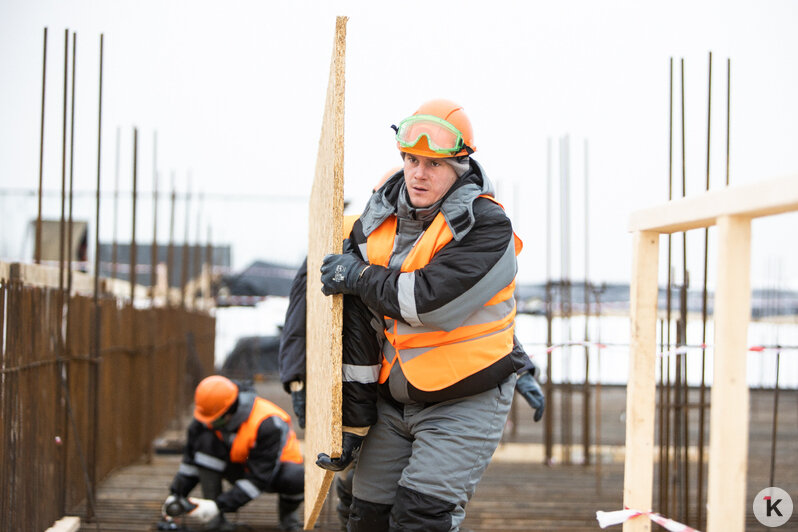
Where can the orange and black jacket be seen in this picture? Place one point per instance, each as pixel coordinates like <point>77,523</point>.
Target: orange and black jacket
<point>442,280</point>
<point>257,440</point>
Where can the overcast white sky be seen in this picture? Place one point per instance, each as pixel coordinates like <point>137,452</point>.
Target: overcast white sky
<point>235,91</point>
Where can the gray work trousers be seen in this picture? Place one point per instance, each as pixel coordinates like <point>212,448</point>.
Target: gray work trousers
<point>439,450</point>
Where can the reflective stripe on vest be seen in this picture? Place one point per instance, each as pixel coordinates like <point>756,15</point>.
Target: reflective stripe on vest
<point>432,359</point>
<point>248,432</point>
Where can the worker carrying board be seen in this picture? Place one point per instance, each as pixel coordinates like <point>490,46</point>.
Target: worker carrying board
<point>434,256</point>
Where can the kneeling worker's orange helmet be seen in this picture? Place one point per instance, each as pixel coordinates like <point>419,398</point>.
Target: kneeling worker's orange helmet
<point>213,397</point>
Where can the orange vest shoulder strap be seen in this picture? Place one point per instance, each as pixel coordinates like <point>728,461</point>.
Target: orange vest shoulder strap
<point>380,242</point>
<point>519,245</point>
<point>349,223</point>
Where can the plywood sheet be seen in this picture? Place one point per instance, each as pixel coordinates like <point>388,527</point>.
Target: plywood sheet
<point>324,314</point>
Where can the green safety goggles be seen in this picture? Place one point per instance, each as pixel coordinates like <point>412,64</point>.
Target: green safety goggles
<point>442,137</point>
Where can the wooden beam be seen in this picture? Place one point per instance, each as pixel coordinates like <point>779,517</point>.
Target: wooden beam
<point>324,314</point>
<point>755,200</point>
<point>640,396</point>
<point>728,435</point>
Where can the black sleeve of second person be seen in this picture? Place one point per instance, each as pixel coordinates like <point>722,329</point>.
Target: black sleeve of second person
<point>362,349</point>
<point>292,340</point>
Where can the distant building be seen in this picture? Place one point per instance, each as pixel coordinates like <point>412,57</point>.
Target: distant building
<point>75,249</point>
<point>196,257</point>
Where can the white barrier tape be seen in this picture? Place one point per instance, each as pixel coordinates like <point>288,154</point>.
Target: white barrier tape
<point>571,344</point>
<point>618,517</point>
<point>680,350</point>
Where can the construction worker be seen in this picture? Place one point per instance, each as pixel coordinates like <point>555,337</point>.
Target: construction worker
<point>434,255</point>
<point>246,440</point>
<point>293,374</point>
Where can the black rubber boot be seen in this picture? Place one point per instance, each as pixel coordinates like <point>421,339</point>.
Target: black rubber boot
<point>210,482</point>
<point>368,516</point>
<point>220,524</point>
<point>288,511</point>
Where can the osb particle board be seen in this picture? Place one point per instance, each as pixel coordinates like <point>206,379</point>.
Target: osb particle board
<point>324,313</point>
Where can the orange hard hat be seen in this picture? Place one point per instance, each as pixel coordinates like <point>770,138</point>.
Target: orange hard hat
<point>442,122</point>
<point>213,396</point>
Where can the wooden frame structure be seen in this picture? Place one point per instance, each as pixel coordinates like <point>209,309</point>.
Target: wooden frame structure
<point>732,210</point>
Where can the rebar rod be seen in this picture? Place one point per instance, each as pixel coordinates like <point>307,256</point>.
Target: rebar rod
<point>71,175</point>
<point>37,252</point>
<point>597,405</point>
<point>154,250</point>
<point>548,413</point>
<point>209,263</point>
<point>114,246</point>
<point>196,254</point>
<point>775,427</point>
<point>61,366</point>
<point>586,387</point>
<point>184,259</point>
<point>666,439</point>
<point>566,396</point>
<point>62,224</point>
<point>171,249</point>
<point>703,389</point>
<point>684,411</point>
<point>94,381</point>
<point>133,250</point>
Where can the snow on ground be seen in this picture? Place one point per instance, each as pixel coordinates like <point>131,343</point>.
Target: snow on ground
<point>232,323</point>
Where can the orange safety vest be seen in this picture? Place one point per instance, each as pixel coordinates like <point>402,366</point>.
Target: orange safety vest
<point>434,359</point>
<point>248,432</point>
<point>349,223</point>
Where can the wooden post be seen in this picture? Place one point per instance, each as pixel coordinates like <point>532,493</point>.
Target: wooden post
<point>640,396</point>
<point>325,314</point>
<point>728,436</point>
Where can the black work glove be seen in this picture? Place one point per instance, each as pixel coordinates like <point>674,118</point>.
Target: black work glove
<point>529,388</point>
<point>340,273</point>
<point>298,402</point>
<point>350,449</point>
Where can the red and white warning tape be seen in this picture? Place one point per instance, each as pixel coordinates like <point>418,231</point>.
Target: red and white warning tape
<point>680,350</point>
<point>571,344</point>
<point>606,519</point>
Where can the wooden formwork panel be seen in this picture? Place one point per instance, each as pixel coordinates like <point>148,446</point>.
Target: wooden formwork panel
<point>324,314</point>
<point>732,210</point>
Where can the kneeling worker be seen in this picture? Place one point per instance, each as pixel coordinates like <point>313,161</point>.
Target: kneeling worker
<point>246,440</point>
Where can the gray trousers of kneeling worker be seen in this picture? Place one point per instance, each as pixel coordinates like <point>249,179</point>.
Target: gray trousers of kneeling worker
<point>420,465</point>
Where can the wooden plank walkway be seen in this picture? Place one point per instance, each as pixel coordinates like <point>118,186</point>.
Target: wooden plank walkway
<point>517,492</point>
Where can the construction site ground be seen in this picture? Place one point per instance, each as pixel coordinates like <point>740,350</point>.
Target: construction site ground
<point>518,491</point>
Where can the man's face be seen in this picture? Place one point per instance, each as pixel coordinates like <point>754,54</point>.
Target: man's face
<point>427,179</point>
